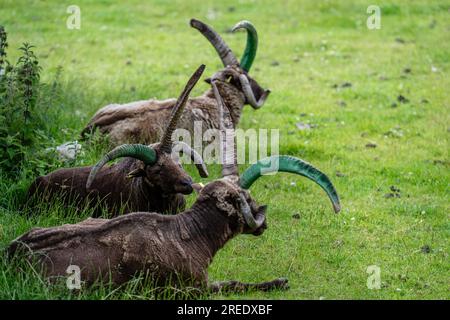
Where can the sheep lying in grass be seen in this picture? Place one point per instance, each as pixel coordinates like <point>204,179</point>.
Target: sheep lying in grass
<point>178,248</point>
<point>158,180</point>
<point>142,121</point>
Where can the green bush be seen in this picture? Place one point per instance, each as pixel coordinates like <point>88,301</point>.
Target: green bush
<point>24,102</point>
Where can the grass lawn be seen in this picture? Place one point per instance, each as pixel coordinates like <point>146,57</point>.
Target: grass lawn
<point>324,67</point>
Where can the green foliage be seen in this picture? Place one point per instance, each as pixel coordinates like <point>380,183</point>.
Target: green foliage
<point>22,112</point>
<point>3,46</point>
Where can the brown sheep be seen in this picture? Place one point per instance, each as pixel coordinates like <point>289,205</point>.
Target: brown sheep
<point>178,248</point>
<point>158,180</point>
<point>142,121</point>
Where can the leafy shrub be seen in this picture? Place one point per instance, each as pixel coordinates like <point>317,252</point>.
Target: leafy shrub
<point>24,102</point>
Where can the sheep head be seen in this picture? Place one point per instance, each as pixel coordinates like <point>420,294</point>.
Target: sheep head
<point>230,192</point>
<point>160,167</point>
<point>235,205</point>
<point>165,174</point>
<point>254,94</point>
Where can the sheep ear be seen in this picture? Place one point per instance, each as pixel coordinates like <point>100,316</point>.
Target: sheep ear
<point>139,172</point>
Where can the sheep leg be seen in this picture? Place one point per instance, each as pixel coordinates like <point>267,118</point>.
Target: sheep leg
<point>239,287</point>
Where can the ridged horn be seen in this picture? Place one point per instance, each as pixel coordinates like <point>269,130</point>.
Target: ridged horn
<point>166,141</point>
<point>252,44</point>
<point>291,165</point>
<point>247,214</point>
<point>248,93</point>
<point>137,151</point>
<point>229,157</point>
<point>195,157</point>
<point>226,55</point>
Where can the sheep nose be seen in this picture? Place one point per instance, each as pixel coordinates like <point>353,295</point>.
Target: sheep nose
<point>186,184</point>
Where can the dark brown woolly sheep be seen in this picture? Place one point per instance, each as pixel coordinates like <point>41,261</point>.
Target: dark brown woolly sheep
<point>158,183</point>
<point>178,247</point>
<point>142,121</point>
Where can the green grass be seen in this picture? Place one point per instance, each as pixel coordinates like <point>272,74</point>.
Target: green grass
<point>317,44</point>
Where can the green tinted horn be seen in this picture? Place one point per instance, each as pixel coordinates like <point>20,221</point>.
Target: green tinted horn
<point>137,151</point>
<point>251,46</point>
<point>291,165</point>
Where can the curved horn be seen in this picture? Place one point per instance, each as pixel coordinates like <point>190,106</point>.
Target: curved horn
<point>247,214</point>
<point>248,92</point>
<point>229,160</point>
<point>195,157</point>
<point>251,46</point>
<point>166,141</point>
<point>137,151</point>
<point>292,165</point>
<point>224,52</point>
